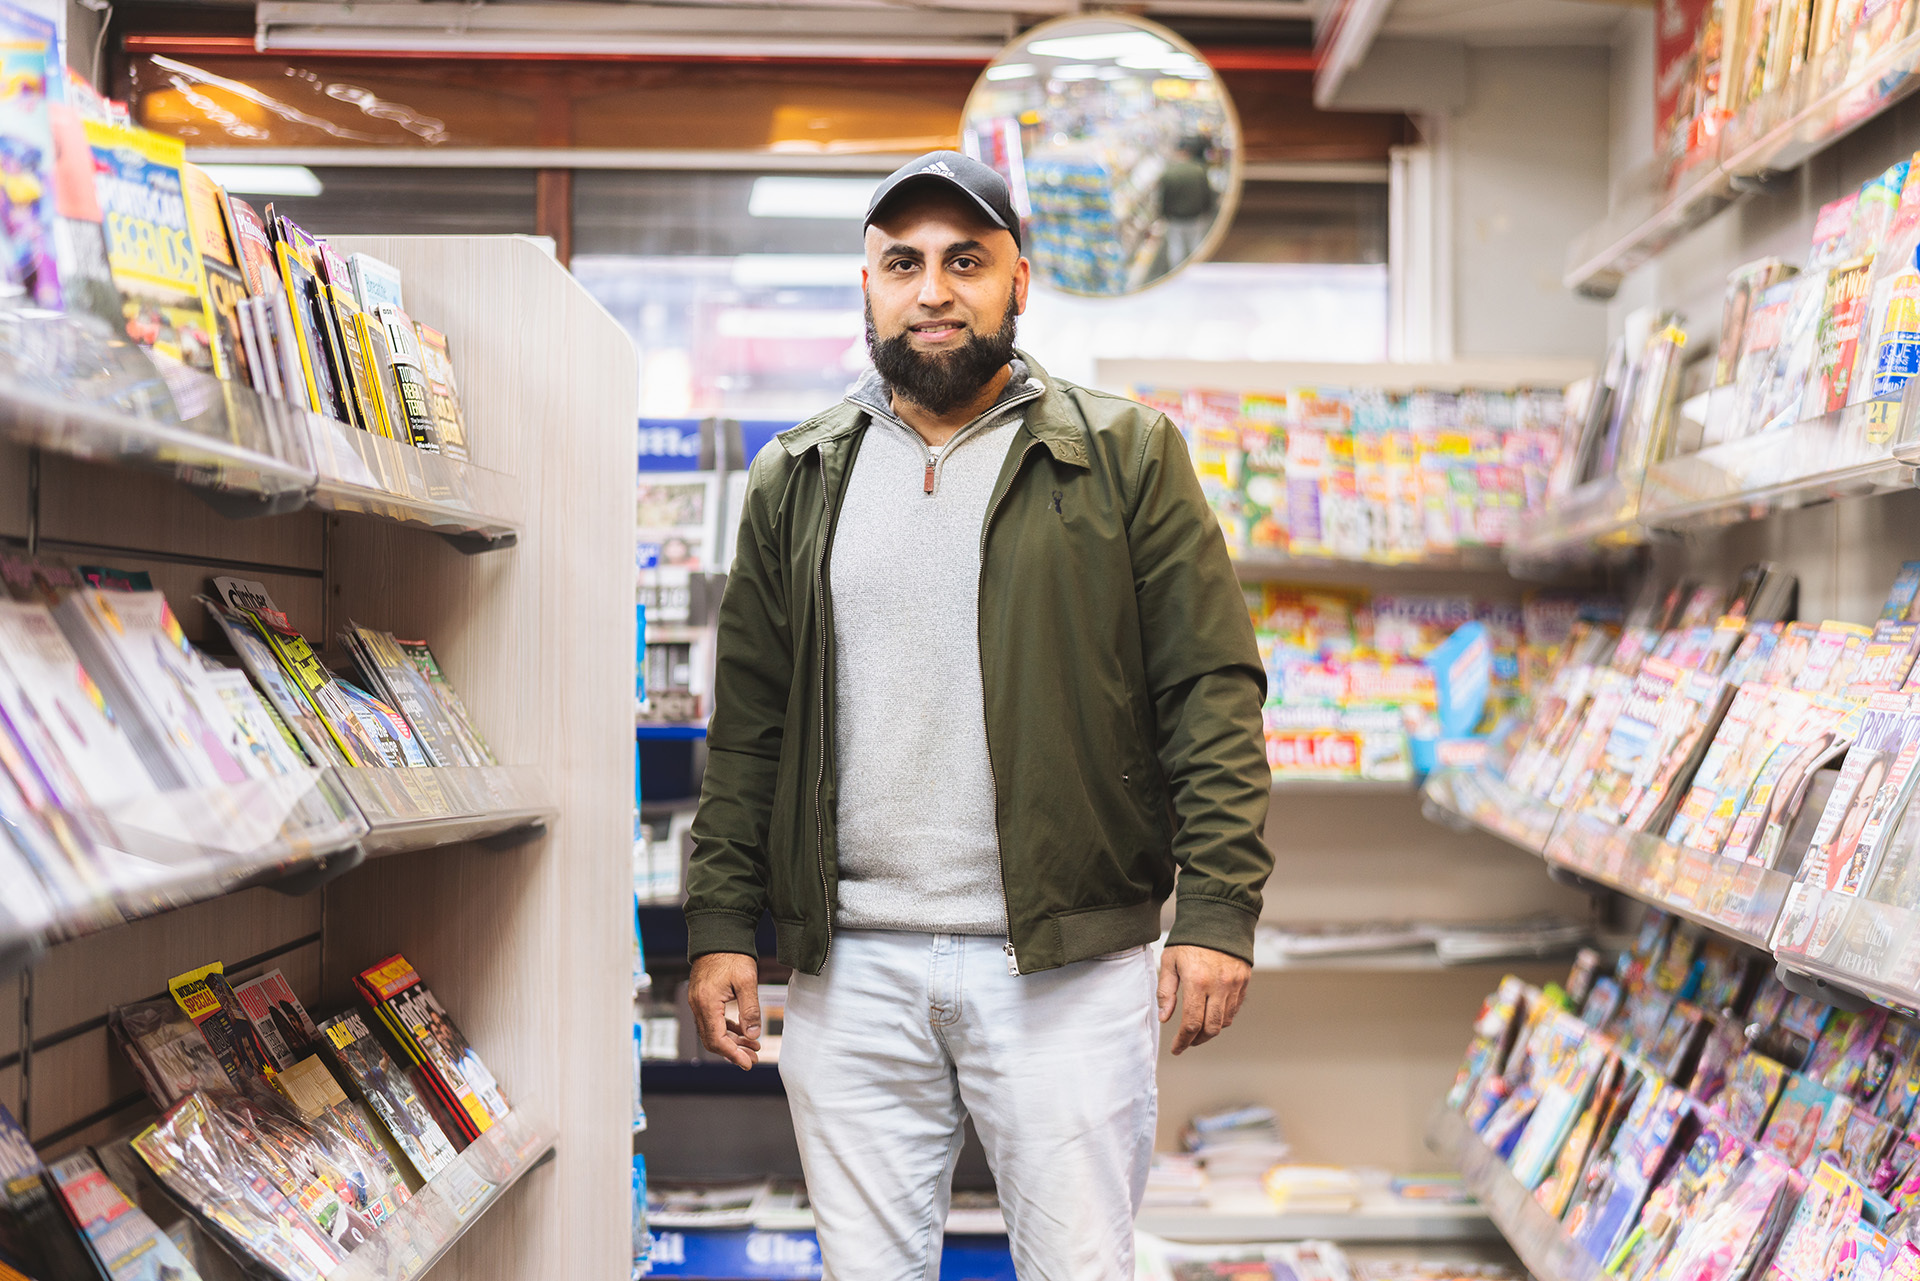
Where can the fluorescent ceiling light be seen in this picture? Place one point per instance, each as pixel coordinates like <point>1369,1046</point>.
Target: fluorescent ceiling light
<point>1010,71</point>
<point>790,324</point>
<point>1104,47</point>
<point>797,271</point>
<point>1171,60</point>
<point>784,197</point>
<point>1075,71</point>
<point>266,180</point>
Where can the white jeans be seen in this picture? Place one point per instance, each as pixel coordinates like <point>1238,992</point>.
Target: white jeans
<point>903,1036</point>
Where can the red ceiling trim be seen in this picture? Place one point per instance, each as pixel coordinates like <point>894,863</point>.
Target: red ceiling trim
<point>1232,59</point>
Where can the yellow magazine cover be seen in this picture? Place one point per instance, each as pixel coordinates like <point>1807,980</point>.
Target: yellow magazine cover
<point>443,393</point>
<point>150,246</point>
<point>309,332</point>
<point>373,346</point>
<point>366,388</point>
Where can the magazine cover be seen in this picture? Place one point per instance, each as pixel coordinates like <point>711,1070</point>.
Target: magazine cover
<point>1873,787</point>
<point>1818,1231</point>
<point>1837,338</point>
<point>31,267</point>
<point>1797,1119</point>
<point>1618,1184</point>
<point>375,283</point>
<point>423,1028</point>
<point>1773,800</point>
<point>278,1019</point>
<point>1734,760</point>
<point>1571,1062</point>
<point>149,244</point>
<point>367,1069</point>
<point>1690,1185</point>
<point>124,1240</point>
<point>1729,1229</point>
<point>301,667</point>
<point>203,1166</point>
<point>1752,1090</point>
<point>154,682</point>
<point>33,1226</point>
<point>403,345</point>
<point>428,666</point>
<point>443,392</point>
<point>68,712</point>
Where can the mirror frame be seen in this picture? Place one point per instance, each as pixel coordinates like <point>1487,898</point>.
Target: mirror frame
<point>1229,199</point>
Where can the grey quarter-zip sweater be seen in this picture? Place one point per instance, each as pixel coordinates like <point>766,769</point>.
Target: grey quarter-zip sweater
<point>918,845</point>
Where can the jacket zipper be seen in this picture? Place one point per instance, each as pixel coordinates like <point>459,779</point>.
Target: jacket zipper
<point>820,782</point>
<point>993,782</point>
<point>932,459</point>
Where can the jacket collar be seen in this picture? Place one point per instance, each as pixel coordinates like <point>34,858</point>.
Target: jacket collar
<point>1050,420</point>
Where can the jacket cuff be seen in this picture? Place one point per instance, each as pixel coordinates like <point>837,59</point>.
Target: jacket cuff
<point>722,931</point>
<point>1215,923</point>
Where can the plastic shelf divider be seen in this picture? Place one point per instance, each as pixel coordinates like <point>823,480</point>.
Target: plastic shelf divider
<point>1535,1235</point>
<point>421,1233</point>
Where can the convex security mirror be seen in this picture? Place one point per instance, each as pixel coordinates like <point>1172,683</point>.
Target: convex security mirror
<point>1120,144</point>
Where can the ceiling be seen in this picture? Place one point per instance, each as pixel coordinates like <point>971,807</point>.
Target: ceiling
<point>1505,22</point>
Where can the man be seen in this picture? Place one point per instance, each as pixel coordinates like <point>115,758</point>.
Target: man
<point>986,689</point>
<point>1187,200</point>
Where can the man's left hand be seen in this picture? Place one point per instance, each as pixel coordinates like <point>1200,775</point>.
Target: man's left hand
<point>1209,986</point>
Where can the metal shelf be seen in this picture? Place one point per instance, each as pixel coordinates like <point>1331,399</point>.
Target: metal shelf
<point>67,389</point>
<point>1381,1219</point>
<point>1856,451</point>
<point>293,833</point>
<point>414,809</point>
<point>1257,566</point>
<point>434,1219</point>
<point>1825,102</point>
<point>1535,1235</point>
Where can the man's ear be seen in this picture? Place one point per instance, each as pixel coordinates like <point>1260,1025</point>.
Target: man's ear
<point>1022,277</point>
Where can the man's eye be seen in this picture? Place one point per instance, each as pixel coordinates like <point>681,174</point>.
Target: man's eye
<point>964,264</point>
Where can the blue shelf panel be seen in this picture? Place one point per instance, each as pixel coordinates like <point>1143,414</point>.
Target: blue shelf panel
<point>747,1254</point>
<point>669,733</point>
<point>674,1076</point>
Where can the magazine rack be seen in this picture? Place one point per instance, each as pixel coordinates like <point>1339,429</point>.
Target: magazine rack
<point>1823,103</point>
<point>1827,100</point>
<point>1592,519</point>
<point>66,388</point>
<point>176,848</point>
<point>1485,799</point>
<point>1736,899</point>
<point>1862,449</point>
<point>1536,1236</point>
<point>528,947</point>
<point>357,471</point>
<point>412,809</point>
<point>437,1216</point>
<point>1853,944</point>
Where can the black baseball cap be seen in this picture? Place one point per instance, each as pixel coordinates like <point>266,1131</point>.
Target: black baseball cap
<point>981,183</point>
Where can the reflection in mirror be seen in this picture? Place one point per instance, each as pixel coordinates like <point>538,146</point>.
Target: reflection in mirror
<point>1121,147</point>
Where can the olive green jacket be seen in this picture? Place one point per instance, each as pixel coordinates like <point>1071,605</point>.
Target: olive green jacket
<point>1122,685</point>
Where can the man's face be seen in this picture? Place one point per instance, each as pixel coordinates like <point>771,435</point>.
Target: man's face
<point>943,286</point>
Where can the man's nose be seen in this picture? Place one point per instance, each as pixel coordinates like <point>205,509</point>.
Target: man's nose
<point>934,291</point>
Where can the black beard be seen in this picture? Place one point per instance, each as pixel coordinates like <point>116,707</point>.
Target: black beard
<point>942,383</point>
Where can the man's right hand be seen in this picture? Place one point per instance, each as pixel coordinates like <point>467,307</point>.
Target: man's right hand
<point>720,977</point>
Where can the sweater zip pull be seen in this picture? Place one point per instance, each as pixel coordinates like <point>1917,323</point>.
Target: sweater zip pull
<point>929,487</point>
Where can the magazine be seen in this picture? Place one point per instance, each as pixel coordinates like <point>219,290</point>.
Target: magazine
<point>122,1238</point>
<point>366,1068</point>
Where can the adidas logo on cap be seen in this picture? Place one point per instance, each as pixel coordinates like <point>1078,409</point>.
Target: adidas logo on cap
<point>942,168</point>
